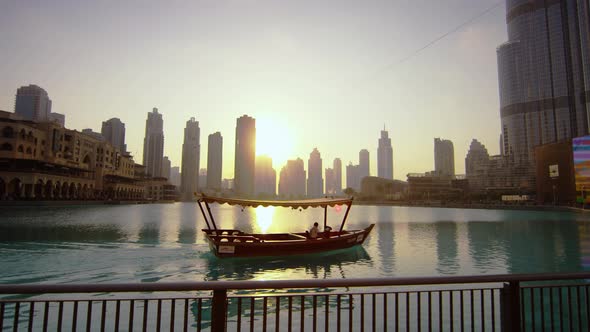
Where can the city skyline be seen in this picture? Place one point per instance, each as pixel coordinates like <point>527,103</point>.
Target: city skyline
<point>192,73</point>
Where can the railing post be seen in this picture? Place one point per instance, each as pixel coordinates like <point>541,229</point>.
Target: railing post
<point>510,306</point>
<point>219,310</point>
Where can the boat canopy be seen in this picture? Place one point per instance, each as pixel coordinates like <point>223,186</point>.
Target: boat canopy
<point>304,204</point>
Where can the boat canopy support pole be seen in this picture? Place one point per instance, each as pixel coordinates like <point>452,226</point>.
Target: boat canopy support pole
<point>345,216</point>
<point>325,216</point>
<point>204,215</point>
<point>211,216</point>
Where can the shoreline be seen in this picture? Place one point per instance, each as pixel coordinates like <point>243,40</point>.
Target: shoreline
<point>558,208</point>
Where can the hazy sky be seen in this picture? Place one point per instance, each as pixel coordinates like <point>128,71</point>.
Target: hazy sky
<point>323,74</point>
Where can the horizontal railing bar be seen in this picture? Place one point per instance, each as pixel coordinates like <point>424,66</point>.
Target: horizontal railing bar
<point>555,285</point>
<point>101,299</point>
<point>278,284</point>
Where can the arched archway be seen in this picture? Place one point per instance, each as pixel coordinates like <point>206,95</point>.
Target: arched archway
<point>29,150</point>
<point>39,192</point>
<point>14,189</point>
<point>20,149</point>
<point>64,190</point>
<point>57,190</point>
<point>72,191</point>
<point>2,189</point>
<point>48,193</point>
<point>8,132</point>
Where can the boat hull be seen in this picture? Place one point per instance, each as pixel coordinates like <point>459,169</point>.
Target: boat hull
<point>233,243</point>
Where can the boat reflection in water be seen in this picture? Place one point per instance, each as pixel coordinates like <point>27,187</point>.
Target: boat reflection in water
<point>332,264</point>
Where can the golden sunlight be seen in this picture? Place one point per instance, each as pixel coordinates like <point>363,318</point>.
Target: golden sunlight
<point>274,139</point>
<point>264,217</point>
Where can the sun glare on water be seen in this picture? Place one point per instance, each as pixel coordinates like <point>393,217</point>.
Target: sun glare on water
<point>274,139</point>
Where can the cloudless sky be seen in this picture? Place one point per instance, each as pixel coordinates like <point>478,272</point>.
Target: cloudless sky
<point>323,74</point>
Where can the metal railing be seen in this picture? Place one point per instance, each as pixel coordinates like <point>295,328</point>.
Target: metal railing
<point>525,302</point>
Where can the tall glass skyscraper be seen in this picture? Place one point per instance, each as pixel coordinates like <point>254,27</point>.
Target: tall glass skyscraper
<point>153,144</point>
<point>544,75</point>
<point>32,103</point>
<point>245,161</point>
<point>385,157</point>
<point>191,157</point>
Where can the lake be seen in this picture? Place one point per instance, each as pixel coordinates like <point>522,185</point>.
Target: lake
<point>164,242</point>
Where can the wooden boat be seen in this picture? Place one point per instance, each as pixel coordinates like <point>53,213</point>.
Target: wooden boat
<point>236,243</point>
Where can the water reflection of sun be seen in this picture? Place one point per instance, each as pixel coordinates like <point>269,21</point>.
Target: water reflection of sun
<point>264,217</point>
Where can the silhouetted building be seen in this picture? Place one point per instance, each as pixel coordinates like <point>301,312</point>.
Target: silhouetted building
<point>292,179</point>
<point>353,179</point>
<point>175,176</point>
<point>444,157</point>
<point>32,103</point>
<point>476,165</point>
<point>153,143</point>
<point>166,166</point>
<point>57,118</point>
<point>245,160</point>
<point>191,152</point>
<point>266,177</point>
<point>202,179</point>
<point>315,182</point>
<point>364,165</point>
<point>93,133</point>
<point>334,178</point>
<point>544,77</point>
<point>214,161</point>
<point>113,130</point>
<point>385,157</point>
<point>378,188</point>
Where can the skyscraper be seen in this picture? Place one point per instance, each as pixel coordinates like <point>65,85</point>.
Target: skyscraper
<point>214,160</point>
<point>266,177</point>
<point>444,157</point>
<point>476,165</point>
<point>166,166</point>
<point>353,180</point>
<point>364,167</point>
<point>315,182</point>
<point>292,179</point>
<point>191,152</point>
<point>334,178</point>
<point>153,143</point>
<point>175,176</point>
<point>544,75</point>
<point>385,157</point>
<point>33,103</point>
<point>245,161</point>
<point>337,176</point>
<point>113,130</point>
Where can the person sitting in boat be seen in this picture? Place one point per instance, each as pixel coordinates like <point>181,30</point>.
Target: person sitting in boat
<point>327,231</point>
<point>313,232</point>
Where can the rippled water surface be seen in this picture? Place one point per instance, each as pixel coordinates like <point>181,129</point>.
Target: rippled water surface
<point>146,243</point>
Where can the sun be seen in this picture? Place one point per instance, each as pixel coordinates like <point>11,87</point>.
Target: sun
<point>274,139</point>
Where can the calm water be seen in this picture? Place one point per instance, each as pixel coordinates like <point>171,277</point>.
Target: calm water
<point>164,242</point>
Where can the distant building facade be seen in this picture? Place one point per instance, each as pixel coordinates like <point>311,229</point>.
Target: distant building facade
<point>175,176</point>
<point>166,166</point>
<point>385,157</point>
<point>292,179</point>
<point>476,165</point>
<point>444,157</point>
<point>32,103</point>
<point>266,177</point>
<point>45,161</point>
<point>353,179</point>
<point>113,130</point>
<point>214,161</point>
<point>245,156</point>
<point>315,182</point>
<point>153,144</point>
<point>191,152</point>
<point>334,178</point>
<point>364,165</point>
